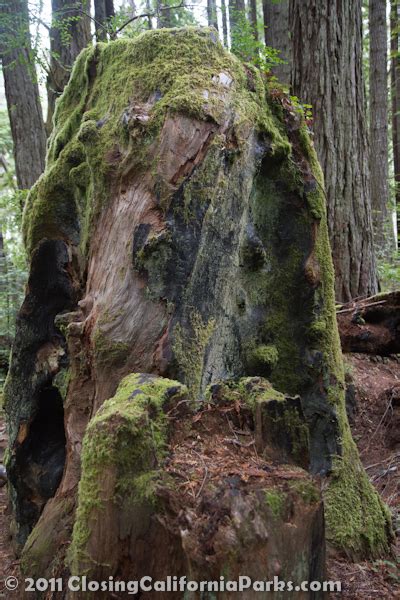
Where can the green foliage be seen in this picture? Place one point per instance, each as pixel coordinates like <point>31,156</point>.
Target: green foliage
<point>12,254</point>
<point>248,49</point>
<point>389,274</point>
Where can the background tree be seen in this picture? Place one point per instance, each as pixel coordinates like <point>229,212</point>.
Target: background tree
<point>103,12</point>
<point>276,32</point>
<point>22,93</point>
<point>212,14</point>
<point>395,97</point>
<point>327,73</point>
<point>224,23</point>
<point>378,116</point>
<point>69,34</point>
<point>253,17</point>
<point>237,15</point>
<point>12,254</point>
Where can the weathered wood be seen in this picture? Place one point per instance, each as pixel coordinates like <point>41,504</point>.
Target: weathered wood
<point>180,232</point>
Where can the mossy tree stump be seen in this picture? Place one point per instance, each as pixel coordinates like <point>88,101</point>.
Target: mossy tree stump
<point>179,230</point>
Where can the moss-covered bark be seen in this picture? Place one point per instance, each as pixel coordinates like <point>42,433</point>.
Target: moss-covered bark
<point>181,222</point>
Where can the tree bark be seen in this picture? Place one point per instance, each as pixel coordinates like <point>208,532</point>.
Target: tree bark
<point>277,35</point>
<point>22,94</point>
<point>212,14</point>
<point>103,11</point>
<point>327,73</point>
<point>67,20</point>
<point>395,97</point>
<point>164,16</point>
<point>378,115</point>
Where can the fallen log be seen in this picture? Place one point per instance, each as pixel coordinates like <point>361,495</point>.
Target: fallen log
<point>371,325</point>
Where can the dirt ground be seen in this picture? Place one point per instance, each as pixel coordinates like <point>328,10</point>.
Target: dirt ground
<point>376,429</point>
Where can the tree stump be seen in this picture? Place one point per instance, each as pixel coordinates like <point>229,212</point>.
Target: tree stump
<point>179,231</point>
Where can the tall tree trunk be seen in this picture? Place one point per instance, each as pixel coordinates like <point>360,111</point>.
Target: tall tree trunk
<point>276,32</point>
<point>253,17</point>
<point>224,23</point>
<point>395,89</point>
<point>22,94</point>
<point>164,15</point>
<point>69,34</point>
<point>212,14</point>
<point>149,11</point>
<point>103,11</point>
<point>378,105</point>
<point>327,73</point>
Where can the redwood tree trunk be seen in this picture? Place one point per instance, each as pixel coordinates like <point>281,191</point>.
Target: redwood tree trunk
<point>395,85</point>
<point>67,19</point>
<point>276,31</point>
<point>327,73</point>
<point>22,94</point>
<point>378,105</point>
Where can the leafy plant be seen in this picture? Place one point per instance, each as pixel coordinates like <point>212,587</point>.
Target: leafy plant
<point>248,48</point>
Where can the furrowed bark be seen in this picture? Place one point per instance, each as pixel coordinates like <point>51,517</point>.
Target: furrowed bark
<point>327,73</point>
<point>378,118</point>
<point>22,95</point>
<point>276,33</point>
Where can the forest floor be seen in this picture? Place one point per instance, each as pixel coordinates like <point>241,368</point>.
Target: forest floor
<point>376,429</point>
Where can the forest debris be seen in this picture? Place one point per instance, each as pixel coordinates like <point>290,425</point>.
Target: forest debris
<point>371,325</point>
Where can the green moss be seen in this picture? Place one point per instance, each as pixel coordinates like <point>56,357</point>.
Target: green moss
<point>162,71</point>
<point>263,356</point>
<point>276,500</point>
<point>307,491</point>
<point>61,382</point>
<point>190,350</point>
<point>108,352</point>
<point>357,520</point>
<point>300,272</point>
<point>126,439</point>
<point>298,431</point>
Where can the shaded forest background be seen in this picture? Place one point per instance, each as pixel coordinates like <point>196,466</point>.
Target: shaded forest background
<point>338,61</point>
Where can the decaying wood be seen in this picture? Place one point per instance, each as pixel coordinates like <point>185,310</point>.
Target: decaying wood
<point>180,276</point>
